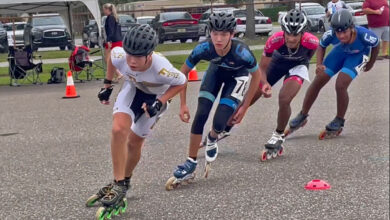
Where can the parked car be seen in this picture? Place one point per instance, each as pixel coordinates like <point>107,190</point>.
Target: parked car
<point>315,13</point>
<point>145,19</point>
<point>47,30</point>
<point>176,26</point>
<point>263,25</point>
<point>19,30</point>
<point>91,34</point>
<point>356,8</point>
<point>3,39</point>
<point>316,18</point>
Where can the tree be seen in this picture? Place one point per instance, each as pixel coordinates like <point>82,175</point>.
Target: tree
<point>235,2</point>
<point>250,20</point>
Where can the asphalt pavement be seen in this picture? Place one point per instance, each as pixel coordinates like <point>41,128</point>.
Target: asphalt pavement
<point>55,153</point>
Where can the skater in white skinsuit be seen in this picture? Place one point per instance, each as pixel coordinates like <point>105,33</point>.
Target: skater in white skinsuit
<point>151,81</point>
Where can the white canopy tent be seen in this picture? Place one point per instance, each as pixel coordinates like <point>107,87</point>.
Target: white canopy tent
<point>63,7</point>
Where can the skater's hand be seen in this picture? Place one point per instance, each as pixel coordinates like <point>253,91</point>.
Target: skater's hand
<point>239,115</point>
<point>320,69</point>
<point>104,95</point>
<point>152,110</point>
<point>266,89</point>
<point>184,114</point>
<point>368,66</point>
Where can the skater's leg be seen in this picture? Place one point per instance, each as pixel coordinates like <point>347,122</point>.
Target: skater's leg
<point>134,146</point>
<point>333,63</point>
<point>221,118</point>
<point>312,92</point>
<point>287,93</point>
<point>120,131</point>
<point>201,116</point>
<point>342,83</point>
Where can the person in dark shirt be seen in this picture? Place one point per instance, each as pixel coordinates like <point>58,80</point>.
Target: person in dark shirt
<point>113,32</point>
<point>112,27</point>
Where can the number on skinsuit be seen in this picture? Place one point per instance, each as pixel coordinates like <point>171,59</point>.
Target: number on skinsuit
<point>361,66</point>
<point>240,88</point>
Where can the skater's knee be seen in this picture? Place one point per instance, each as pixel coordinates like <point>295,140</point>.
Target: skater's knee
<point>119,129</point>
<point>222,116</point>
<point>341,86</point>
<point>202,113</point>
<point>285,99</point>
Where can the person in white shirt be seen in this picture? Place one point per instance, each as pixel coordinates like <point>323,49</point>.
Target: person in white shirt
<point>333,6</point>
<point>150,82</point>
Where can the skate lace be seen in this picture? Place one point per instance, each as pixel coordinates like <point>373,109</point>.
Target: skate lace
<point>275,138</point>
<point>335,123</point>
<point>186,166</point>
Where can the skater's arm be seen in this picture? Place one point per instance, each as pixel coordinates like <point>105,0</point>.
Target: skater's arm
<point>171,92</point>
<point>264,63</point>
<point>320,58</point>
<point>183,94</point>
<point>253,86</point>
<point>374,55</point>
<point>110,72</point>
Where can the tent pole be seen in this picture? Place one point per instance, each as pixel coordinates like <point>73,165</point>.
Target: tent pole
<point>70,14</point>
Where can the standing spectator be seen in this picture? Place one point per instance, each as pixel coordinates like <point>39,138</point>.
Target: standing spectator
<point>112,27</point>
<point>113,32</point>
<point>377,12</point>
<point>334,6</point>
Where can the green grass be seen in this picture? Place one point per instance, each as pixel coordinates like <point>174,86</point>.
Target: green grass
<point>45,75</point>
<point>50,54</point>
<point>260,40</point>
<point>177,61</point>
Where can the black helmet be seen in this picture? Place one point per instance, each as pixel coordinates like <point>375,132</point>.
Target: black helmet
<point>341,20</point>
<point>294,22</point>
<point>140,40</point>
<point>222,21</point>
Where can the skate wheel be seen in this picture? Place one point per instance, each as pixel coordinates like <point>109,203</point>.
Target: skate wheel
<point>170,184</point>
<point>280,151</point>
<point>269,155</point>
<point>123,209</point>
<point>287,132</point>
<point>207,169</point>
<point>263,156</point>
<point>304,123</point>
<point>116,211</point>
<point>101,213</point>
<point>274,154</point>
<point>322,135</point>
<point>339,132</point>
<point>109,214</point>
<point>91,200</point>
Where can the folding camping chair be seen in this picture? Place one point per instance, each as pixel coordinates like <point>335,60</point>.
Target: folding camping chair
<point>80,62</point>
<point>22,66</point>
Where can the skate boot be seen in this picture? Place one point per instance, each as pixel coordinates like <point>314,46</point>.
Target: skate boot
<point>226,133</point>
<point>184,174</point>
<point>99,195</point>
<point>298,122</point>
<point>273,147</point>
<point>103,191</point>
<point>114,202</point>
<point>211,153</point>
<point>334,128</point>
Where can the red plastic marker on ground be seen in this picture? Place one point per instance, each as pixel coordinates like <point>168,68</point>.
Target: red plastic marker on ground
<point>317,185</point>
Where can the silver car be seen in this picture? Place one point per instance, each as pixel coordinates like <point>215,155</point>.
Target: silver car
<point>18,27</point>
<point>356,8</point>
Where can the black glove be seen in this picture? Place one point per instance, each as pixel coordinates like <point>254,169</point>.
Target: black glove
<point>153,109</point>
<point>104,94</point>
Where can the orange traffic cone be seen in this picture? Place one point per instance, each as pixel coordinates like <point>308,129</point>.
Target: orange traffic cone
<point>193,75</point>
<point>70,91</point>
